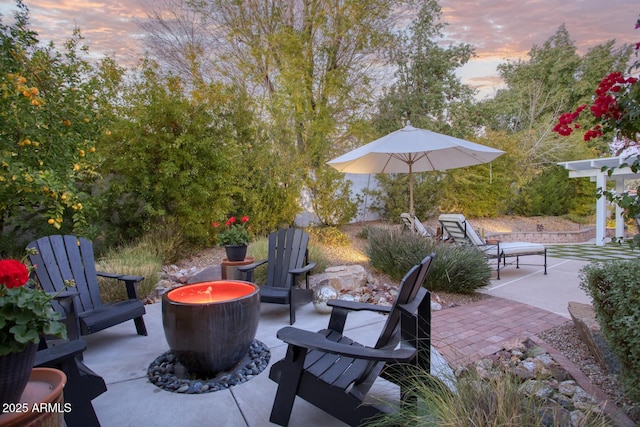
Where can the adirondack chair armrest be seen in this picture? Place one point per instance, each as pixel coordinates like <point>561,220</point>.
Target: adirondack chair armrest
<point>53,355</point>
<point>341,308</point>
<point>129,281</point>
<point>122,277</point>
<point>313,340</point>
<point>108,275</point>
<point>248,269</point>
<point>358,306</point>
<point>302,270</point>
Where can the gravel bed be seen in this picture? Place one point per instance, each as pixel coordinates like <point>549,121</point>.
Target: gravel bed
<point>567,341</point>
<point>168,373</point>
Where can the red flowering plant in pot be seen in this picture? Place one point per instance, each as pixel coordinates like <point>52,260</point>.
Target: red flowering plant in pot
<point>234,236</point>
<point>26,315</point>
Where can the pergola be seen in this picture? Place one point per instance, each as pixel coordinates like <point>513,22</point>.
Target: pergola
<point>592,168</point>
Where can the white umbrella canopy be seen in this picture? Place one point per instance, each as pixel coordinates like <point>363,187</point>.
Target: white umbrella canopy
<point>411,150</point>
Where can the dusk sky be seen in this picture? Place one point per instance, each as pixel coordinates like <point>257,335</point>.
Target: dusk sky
<point>499,30</point>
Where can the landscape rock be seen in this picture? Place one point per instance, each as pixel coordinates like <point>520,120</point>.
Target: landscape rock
<point>343,277</point>
<point>525,360</point>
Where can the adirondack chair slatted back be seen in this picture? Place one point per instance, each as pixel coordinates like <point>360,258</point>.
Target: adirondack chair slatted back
<point>459,229</point>
<point>287,251</point>
<point>61,258</point>
<point>409,287</point>
<point>390,335</point>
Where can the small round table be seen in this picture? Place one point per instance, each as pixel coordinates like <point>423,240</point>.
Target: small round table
<point>229,269</point>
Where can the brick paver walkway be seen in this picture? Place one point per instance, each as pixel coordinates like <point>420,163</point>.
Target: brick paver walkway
<point>469,332</point>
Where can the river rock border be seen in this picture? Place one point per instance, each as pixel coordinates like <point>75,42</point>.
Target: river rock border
<point>169,374</point>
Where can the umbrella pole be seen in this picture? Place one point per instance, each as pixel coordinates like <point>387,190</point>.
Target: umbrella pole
<point>411,210</point>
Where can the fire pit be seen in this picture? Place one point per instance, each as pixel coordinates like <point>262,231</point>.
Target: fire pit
<point>210,326</point>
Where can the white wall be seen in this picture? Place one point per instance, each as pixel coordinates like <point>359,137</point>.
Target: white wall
<point>359,183</point>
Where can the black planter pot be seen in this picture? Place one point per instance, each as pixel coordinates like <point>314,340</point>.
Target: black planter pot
<point>236,252</point>
<point>15,369</point>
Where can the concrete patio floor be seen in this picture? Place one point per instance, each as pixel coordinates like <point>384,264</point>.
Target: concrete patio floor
<point>122,357</point>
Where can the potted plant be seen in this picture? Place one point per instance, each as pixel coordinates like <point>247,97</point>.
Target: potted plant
<point>26,315</point>
<point>234,236</point>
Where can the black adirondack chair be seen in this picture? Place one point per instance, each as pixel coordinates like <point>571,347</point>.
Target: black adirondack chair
<point>288,259</point>
<point>83,385</point>
<point>334,372</point>
<point>61,258</point>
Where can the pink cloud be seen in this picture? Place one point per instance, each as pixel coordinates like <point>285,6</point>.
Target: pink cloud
<point>499,30</point>
<point>509,28</point>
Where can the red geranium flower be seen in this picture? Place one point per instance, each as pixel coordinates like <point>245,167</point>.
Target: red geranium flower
<point>13,273</point>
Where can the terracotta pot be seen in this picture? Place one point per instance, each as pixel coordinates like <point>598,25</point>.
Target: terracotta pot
<point>41,403</point>
<point>236,252</point>
<point>211,325</point>
<point>15,369</point>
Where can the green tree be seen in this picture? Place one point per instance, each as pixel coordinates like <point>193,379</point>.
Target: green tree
<point>174,155</point>
<point>427,91</point>
<point>307,64</point>
<point>483,190</point>
<point>553,79</point>
<point>50,118</point>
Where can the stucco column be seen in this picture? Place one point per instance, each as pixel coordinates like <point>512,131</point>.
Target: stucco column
<point>601,209</point>
<point>619,210</point>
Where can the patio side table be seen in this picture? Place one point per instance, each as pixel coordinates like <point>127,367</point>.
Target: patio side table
<point>229,269</point>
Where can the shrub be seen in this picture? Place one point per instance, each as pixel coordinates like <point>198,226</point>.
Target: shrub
<point>456,268</point>
<point>614,287</point>
<point>330,236</point>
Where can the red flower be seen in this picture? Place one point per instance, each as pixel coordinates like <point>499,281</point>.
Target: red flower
<point>13,273</point>
<point>216,224</point>
<point>245,219</point>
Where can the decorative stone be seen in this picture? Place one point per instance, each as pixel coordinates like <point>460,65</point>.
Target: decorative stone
<point>344,277</point>
<point>347,297</point>
<point>177,379</point>
<point>320,297</point>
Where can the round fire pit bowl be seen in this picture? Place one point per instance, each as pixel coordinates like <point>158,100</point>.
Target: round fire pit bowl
<point>210,326</point>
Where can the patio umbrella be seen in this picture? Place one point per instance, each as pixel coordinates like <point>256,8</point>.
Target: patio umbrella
<point>411,150</point>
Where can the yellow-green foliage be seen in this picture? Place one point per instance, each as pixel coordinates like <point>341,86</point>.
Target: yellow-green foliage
<point>330,236</point>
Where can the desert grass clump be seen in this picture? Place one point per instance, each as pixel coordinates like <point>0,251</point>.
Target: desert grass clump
<point>166,241</point>
<point>135,259</point>
<point>455,268</point>
<point>481,401</point>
